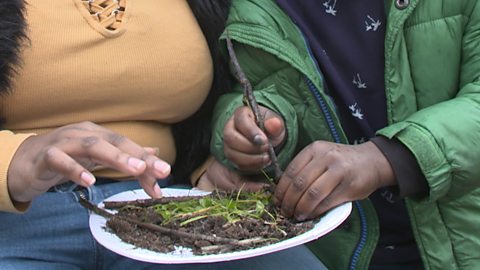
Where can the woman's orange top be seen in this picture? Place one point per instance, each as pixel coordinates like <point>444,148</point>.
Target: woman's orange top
<point>134,67</point>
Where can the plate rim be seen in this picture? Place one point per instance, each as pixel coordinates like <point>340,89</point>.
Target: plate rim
<point>335,217</point>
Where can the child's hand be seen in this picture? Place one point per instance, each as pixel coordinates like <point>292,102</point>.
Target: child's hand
<point>219,177</point>
<point>325,174</point>
<point>245,144</point>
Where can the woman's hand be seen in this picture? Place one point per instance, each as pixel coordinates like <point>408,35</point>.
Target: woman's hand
<point>219,177</point>
<point>245,144</point>
<point>325,175</point>
<point>70,152</point>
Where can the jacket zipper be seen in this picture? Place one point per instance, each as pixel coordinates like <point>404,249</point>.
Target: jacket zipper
<point>336,137</point>
<point>316,93</point>
<point>324,107</point>
<point>363,219</point>
<point>363,236</point>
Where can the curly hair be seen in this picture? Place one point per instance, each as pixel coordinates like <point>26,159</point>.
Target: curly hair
<point>12,34</point>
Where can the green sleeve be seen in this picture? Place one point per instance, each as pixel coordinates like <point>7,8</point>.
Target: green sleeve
<point>445,138</point>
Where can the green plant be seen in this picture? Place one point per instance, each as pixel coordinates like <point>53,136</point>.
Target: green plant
<point>232,207</point>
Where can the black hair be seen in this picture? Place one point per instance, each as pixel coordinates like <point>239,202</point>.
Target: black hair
<point>192,136</point>
<point>12,34</point>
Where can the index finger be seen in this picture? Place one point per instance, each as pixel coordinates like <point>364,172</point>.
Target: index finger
<point>128,146</point>
<point>291,173</point>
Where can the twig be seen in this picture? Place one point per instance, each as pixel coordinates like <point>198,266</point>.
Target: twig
<point>164,200</point>
<point>148,202</point>
<point>251,102</point>
<point>181,234</point>
<point>225,248</point>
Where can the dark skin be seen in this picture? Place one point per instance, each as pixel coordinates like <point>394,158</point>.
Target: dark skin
<point>219,177</point>
<point>71,152</point>
<point>323,175</point>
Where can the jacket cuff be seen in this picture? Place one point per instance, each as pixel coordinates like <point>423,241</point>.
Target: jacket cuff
<point>410,179</point>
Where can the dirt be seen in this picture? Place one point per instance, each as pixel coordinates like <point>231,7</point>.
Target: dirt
<point>138,223</point>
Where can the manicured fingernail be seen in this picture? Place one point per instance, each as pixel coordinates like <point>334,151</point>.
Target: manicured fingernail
<point>162,167</point>
<point>157,190</point>
<point>136,163</point>
<point>88,178</point>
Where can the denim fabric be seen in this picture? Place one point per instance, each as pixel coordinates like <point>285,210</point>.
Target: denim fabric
<point>54,234</point>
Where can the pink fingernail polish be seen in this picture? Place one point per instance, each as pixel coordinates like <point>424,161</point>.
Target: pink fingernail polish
<point>136,163</point>
<point>88,178</point>
<point>162,167</point>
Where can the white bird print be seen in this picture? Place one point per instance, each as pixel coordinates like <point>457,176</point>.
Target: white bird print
<point>359,141</point>
<point>356,112</point>
<point>330,9</point>
<point>358,82</point>
<point>371,24</point>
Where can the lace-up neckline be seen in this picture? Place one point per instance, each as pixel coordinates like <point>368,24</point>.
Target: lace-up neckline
<point>108,13</point>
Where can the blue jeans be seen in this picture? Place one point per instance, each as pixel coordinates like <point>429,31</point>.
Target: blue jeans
<point>54,234</point>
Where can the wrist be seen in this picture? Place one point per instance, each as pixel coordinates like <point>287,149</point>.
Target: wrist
<point>385,173</point>
<point>18,175</point>
<point>408,175</point>
<point>17,190</point>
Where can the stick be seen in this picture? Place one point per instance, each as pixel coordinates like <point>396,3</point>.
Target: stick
<point>168,231</point>
<point>251,102</point>
<point>148,202</point>
<point>163,200</point>
<point>245,242</point>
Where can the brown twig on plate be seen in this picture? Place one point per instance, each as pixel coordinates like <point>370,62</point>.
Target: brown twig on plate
<point>147,202</point>
<point>177,233</point>
<point>163,200</point>
<point>226,248</point>
<point>251,102</point>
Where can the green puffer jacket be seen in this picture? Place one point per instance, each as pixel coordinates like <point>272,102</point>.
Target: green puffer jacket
<point>432,78</point>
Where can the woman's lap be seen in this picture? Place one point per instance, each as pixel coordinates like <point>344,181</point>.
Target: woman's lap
<point>54,234</point>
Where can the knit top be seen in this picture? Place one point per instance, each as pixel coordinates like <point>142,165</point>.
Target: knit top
<point>134,67</point>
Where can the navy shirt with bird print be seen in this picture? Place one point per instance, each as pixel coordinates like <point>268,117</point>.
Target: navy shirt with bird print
<point>346,38</point>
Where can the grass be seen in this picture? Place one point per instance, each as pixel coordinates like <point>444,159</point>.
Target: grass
<point>232,208</point>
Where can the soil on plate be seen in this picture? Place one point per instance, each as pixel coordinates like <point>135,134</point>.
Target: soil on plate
<point>210,224</point>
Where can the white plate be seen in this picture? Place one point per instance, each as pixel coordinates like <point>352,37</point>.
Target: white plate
<point>182,255</point>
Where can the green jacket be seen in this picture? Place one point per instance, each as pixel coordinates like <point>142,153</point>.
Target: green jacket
<point>432,79</point>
